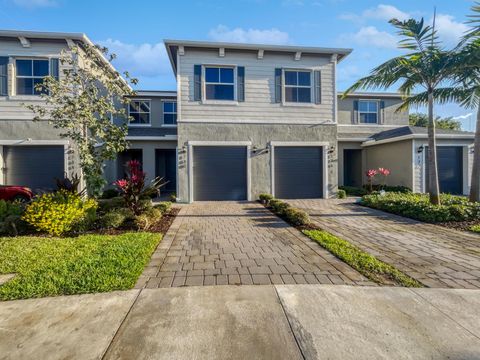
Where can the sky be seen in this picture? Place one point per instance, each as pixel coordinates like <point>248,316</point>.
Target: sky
<point>134,30</point>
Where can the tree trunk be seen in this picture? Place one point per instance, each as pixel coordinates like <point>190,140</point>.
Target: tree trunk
<point>475,182</point>
<point>432,155</point>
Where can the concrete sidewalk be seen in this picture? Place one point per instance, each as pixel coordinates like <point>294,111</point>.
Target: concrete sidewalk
<point>246,322</point>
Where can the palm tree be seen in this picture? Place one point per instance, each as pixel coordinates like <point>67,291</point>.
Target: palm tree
<point>425,66</point>
<point>464,68</point>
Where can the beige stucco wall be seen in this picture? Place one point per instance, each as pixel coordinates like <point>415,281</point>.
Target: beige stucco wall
<point>397,157</point>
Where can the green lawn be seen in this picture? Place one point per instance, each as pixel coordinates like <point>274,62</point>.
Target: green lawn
<point>363,262</point>
<point>65,266</point>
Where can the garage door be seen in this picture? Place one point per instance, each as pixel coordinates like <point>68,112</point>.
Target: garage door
<point>219,173</point>
<point>298,172</point>
<point>34,166</point>
<point>450,169</point>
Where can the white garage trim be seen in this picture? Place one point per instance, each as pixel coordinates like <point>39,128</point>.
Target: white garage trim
<point>323,144</point>
<point>191,144</point>
<point>27,142</point>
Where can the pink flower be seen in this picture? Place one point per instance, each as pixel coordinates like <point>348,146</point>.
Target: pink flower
<point>133,164</point>
<point>384,172</point>
<point>371,173</point>
<point>122,183</point>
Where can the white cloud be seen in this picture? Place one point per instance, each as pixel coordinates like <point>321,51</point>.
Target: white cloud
<point>381,12</point>
<point>139,59</point>
<point>371,36</point>
<point>449,30</point>
<point>35,3</point>
<point>268,36</point>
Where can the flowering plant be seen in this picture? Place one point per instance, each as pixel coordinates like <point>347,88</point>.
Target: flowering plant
<point>133,188</point>
<point>370,176</point>
<point>384,172</point>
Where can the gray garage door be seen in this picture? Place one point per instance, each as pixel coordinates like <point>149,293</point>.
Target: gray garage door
<point>298,172</point>
<point>34,166</point>
<point>219,173</point>
<point>450,169</point>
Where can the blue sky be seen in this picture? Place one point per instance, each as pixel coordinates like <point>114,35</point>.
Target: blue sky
<point>134,30</point>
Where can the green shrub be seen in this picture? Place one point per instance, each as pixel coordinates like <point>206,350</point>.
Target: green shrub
<point>115,218</point>
<point>265,198</point>
<point>279,207</point>
<point>296,217</point>
<point>8,208</point>
<point>173,197</point>
<point>164,206</point>
<point>147,219</point>
<point>341,194</point>
<point>109,193</point>
<point>57,213</point>
<point>475,228</point>
<point>105,205</point>
<point>353,191</point>
<point>14,225</point>
<point>418,206</point>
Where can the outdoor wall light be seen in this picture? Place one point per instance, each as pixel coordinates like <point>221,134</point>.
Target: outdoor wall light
<point>331,149</point>
<point>420,149</point>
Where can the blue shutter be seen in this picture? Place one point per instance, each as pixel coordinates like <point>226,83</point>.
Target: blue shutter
<point>241,83</point>
<point>355,112</point>
<point>381,112</point>
<point>54,68</point>
<point>318,87</point>
<point>197,82</point>
<point>278,85</point>
<point>3,76</point>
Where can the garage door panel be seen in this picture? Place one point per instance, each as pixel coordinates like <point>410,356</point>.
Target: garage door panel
<point>298,172</point>
<point>220,172</point>
<point>34,166</point>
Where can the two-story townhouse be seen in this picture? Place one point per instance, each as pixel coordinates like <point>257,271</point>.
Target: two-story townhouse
<point>373,134</point>
<point>152,135</point>
<point>245,119</point>
<point>255,119</point>
<point>32,153</point>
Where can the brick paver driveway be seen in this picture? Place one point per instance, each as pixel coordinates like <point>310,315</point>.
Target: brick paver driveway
<point>436,256</point>
<point>220,243</point>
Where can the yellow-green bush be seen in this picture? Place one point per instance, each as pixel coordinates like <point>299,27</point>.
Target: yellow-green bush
<point>57,213</point>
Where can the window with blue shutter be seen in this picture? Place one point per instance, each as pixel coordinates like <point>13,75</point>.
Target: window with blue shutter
<point>55,68</point>
<point>278,85</point>
<point>318,86</point>
<point>3,76</point>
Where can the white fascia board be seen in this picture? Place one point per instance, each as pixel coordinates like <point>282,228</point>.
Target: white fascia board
<point>419,136</point>
<point>150,138</point>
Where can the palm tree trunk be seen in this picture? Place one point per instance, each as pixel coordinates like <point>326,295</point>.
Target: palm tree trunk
<point>432,154</point>
<point>475,182</point>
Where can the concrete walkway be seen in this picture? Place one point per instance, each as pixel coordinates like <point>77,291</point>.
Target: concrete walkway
<point>240,243</point>
<point>434,255</point>
<point>246,322</point>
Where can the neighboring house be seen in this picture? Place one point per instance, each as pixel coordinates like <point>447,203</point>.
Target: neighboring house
<point>32,153</point>
<point>245,119</point>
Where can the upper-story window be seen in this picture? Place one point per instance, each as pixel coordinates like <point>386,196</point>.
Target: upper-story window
<point>3,75</point>
<point>368,111</point>
<point>139,112</point>
<point>170,112</point>
<point>219,83</point>
<point>298,86</point>
<point>30,73</point>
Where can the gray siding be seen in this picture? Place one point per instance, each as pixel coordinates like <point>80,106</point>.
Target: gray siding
<point>259,104</point>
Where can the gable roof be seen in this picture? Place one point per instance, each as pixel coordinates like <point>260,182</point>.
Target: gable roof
<point>173,45</point>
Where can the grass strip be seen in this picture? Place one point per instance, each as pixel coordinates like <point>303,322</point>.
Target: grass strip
<point>364,263</point>
<point>66,266</point>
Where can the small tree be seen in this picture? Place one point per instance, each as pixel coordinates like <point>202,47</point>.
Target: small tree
<point>82,103</point>
<point>448,123</point>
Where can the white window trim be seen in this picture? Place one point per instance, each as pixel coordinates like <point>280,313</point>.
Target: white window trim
<point>323,144</point>
<point>163,113</point>
<point>368,112</point>
<point>312,86</point>
<point>192,144</point>
<point>204,86</point>
<point>149,124</point>
<point>15,76</point>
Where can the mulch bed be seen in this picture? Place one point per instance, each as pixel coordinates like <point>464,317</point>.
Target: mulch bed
<point>460,225</point>
<point>161,226</point>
